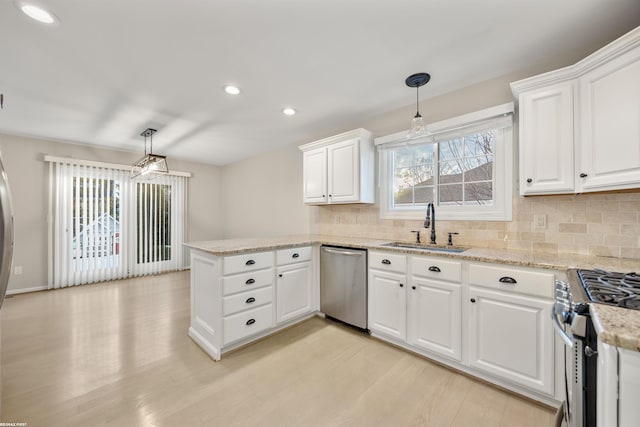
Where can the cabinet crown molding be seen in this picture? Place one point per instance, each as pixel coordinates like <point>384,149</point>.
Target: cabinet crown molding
<point>361,133</point>
<point>618,47</point>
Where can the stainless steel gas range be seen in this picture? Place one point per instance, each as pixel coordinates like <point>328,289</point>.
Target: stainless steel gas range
<point>592,391</point>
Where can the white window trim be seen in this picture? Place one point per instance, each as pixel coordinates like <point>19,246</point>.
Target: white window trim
<point>501,210</point>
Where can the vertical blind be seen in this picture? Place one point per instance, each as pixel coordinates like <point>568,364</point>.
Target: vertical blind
<point>107,226</point>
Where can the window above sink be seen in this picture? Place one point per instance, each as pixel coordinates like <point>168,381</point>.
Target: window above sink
<point>464,167</point>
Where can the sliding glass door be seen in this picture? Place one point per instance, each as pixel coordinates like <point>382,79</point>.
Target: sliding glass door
<point>107,226</point>
<point>153,232</point>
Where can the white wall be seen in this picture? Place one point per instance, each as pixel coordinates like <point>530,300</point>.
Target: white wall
<point>28,176</point>
<point>262,196</point>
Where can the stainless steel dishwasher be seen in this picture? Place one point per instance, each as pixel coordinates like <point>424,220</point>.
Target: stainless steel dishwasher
<point>343,284</point>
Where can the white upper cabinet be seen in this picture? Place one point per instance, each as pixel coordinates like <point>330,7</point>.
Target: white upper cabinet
<point>610,124</point>
<point>580,125</point>
<point>546,140</point>
<point>339,169</point>
<point>315,175</point>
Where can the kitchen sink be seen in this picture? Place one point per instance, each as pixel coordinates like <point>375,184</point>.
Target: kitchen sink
<point>427,247</point>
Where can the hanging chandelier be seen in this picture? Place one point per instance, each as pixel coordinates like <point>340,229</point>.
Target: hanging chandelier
<point>418,128</point>
<point>151,164</point>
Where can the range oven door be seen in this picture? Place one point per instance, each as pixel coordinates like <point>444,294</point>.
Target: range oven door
<point>573,365</point>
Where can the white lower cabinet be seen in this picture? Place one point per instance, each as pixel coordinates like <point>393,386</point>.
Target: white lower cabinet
<point>247,323</point>
<point>294,291</point>
<point>425,311</point>
<point>502,333</point>
<point>388,304</point>
<point>435,317</point>
<point>434,313</point>
<point>510,331</point>
<point>234,299</point>
<point>295,287</point>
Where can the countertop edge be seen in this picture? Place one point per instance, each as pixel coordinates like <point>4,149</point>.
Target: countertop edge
<point>616,325</point>
<point>513,257</point>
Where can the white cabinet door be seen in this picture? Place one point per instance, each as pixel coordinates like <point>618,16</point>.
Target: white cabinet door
<point>294,291</point>
<point>387,304</point>
<point>315,175</point>
<point>434,317</point>
<point>510,336</point>
<point>343,163</point>
<point>610,125</point>
<point>546,140</point>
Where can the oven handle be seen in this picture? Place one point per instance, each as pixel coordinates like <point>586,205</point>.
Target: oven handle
<point>559,329</point>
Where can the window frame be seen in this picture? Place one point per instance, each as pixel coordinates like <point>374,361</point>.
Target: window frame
<point>499,119</point>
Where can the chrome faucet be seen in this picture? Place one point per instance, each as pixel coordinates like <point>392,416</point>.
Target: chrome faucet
<point>430,220</point>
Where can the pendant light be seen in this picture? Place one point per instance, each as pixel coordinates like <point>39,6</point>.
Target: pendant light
<point>150,165</point>
<point>418,128</point>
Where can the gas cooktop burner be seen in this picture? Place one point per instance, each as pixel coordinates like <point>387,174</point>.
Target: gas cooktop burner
<point>621,289</point>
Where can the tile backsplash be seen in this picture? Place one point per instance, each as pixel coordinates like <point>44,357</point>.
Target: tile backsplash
<point>604,224</point>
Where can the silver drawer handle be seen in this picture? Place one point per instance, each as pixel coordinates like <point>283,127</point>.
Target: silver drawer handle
<point>509,280</point>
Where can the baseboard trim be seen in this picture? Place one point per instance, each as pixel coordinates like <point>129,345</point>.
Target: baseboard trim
<point>26,290</point>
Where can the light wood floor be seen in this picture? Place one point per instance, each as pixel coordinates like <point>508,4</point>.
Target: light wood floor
<point>118,354</point>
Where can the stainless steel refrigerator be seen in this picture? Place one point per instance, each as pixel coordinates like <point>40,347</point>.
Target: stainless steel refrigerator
<point>6,233</point>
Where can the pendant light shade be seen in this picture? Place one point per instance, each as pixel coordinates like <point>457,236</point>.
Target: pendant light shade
<point>151,165</point>
<point>418,128</point>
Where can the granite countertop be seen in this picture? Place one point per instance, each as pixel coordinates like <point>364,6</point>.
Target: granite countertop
<point>615,326</point>
<point>559,262</point>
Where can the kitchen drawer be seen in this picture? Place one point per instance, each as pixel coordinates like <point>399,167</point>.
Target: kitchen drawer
<point>527,282</point>
<point>247,300</point>
<point>388,262</point>
<point>246,281</point>
<point>246,262</point>
<point>246,323</point>
<point>436,268</point>
<point>289,256</point>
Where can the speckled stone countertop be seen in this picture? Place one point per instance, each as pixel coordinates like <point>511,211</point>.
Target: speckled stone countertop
<point>615,326</point>
<point>559,262</point>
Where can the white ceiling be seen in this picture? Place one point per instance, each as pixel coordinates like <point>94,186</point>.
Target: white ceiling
<point>112,68</point>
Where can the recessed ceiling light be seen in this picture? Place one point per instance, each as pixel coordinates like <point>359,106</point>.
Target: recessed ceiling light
<point>232,90</point>
<point>37,13</point>
<point>289,111</point>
